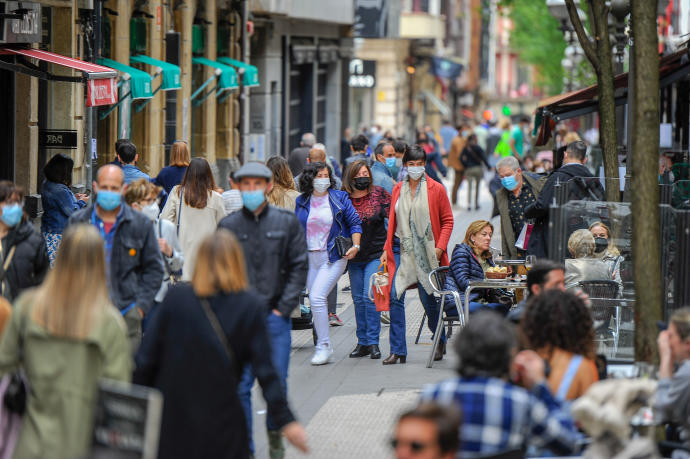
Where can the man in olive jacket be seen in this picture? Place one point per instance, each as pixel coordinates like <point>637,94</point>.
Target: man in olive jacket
<point>519,189</point>
<point>275,249</point>
<point>133,259</point>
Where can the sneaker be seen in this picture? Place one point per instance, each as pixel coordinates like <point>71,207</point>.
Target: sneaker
<point>385,318</point>
<point>322,355</point>
<point>334,320</point>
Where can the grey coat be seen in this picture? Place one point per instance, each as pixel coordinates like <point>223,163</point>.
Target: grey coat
<point>167,230</point>
<point>508,236</point>
<point>672,402</point>
<point>135,271</point>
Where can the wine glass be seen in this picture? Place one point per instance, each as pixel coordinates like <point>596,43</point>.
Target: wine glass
<point>529,261</point>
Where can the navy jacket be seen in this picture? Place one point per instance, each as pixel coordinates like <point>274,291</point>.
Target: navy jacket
<point>170,176</point>
<point>136,267</point>
<point>346,220</point>
<point>29,264</point>
<point>464,267</point>
<point>58,204</point>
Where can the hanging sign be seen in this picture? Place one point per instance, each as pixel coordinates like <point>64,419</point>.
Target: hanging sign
<point>101,92</point>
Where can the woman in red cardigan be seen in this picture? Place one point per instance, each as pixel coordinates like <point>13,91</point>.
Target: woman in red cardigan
<point>419,227</point>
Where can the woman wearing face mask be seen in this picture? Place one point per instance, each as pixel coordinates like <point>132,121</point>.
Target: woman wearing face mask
<point>325,214</point>
<point>607,250</point>
<point>23,257</point>
<point>419,226</point>
<point>372,204</point>
<point>195,208</point>
<point>142,195</point>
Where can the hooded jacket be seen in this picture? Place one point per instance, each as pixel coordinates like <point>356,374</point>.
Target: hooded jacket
<point>29,264</point>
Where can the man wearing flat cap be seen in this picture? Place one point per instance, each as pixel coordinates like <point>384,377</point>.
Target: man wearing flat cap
<point>275,251</point>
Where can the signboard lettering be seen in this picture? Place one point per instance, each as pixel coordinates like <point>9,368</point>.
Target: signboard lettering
<point>27,28</point>
<point>362,74</point>
<point>101,92</point>
<point>52,138</point>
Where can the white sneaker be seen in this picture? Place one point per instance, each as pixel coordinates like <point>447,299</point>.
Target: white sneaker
<point>322,355</point>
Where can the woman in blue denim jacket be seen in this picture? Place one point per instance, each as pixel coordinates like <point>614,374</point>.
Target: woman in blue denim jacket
<point>58,201</point>
<point>325,214</point>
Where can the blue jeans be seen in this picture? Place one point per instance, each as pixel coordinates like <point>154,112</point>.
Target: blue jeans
<point>397,313</point>
<point>279,329</point>
<point>496,307</point>
<point>368,319</point>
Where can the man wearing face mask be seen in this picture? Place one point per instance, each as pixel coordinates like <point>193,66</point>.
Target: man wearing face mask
<point>133,259</point>
<point>384,153</point>
<point>276,255</point>
<point>23,256</point>
<point>519,189</point>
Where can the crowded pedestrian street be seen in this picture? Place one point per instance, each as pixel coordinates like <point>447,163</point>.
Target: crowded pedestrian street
<point>344,229</point>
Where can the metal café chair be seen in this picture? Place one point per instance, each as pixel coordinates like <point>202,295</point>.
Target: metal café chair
<point>601,292</point>
<point>437,279</point>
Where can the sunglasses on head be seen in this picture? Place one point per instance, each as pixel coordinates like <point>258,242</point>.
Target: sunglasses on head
<point>415,446</point>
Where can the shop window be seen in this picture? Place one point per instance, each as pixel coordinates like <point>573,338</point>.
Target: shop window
<point>137,35</point>
<point>198,38</point>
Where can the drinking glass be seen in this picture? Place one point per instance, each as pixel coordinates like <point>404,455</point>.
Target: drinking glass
<point>529,261</point>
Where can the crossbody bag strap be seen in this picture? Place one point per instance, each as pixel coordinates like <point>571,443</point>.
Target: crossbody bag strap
<point>163,257</point>
<point>179,211</point>
<point>219,333</point>
<point>5,267</point>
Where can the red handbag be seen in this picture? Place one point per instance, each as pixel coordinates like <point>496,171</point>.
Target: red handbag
<point>380,289</point>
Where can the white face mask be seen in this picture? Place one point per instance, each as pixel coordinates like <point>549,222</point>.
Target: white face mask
<point>151,211</point>
<point>415,172</point>
<point>321,184</point>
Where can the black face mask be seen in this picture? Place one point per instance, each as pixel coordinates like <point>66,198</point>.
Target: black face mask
<point>362,183</point>
<point>601,244</point>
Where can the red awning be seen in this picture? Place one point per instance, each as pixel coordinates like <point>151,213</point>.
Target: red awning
<point>101,81</point>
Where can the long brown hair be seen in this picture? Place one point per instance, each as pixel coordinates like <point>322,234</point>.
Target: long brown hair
<point>474,228</point>
<point>179,154</point>
<point>349,179</point>
<point>220,265</point>
<point>197,183</point>
<point>74,294</point>
<point>282,176</point>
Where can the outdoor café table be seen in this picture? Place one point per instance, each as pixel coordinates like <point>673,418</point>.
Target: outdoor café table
<point>490,283</point>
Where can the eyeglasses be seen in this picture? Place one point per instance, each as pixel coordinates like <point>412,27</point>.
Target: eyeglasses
<point>415,446</point>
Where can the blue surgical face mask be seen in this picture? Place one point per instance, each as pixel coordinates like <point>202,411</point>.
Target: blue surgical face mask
<point>252,200</point>
<point>12,215</point>
<point>509,182</point>
<point>108,200</point>
<point>390,162</point>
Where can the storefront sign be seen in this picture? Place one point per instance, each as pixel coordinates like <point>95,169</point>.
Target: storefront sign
<point>362,74</point>
<point>101,92</point>
<point>51,138</point>
<point>23,25</point>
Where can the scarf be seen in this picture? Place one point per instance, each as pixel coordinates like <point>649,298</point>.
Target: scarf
<point>417,245</point>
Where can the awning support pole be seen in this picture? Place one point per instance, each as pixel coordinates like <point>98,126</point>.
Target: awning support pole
<point>201,100</point>
<point>201,88</point>
<point>141,106</point>
<point>223,98</point>
<point>112,108</point>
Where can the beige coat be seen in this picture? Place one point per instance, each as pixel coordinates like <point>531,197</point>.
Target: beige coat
<point>508,237</point>
<point>194,224</point>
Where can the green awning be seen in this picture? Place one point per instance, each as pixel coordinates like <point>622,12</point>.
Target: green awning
<point>140,81</point>
<point>251,73</point>
<point>170,73</point>
<point>228,76</point>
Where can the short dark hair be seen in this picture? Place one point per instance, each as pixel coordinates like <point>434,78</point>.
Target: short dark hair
<point>540,271</point>
<point>306,178</point>
<point>484,346</point>
<point>59,169</point>
<point>446,418</point>
<point>557,319</point>
<point>577,150</point>
<point>379,148</point>
<point>414,153</point>
<point>359,143</point>
<point>127,151</point>
<point>400,146</point>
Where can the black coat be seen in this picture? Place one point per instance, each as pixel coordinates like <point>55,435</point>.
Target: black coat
<point>589,189</point>
<point>136,267</point>
<point>29,264</point>
<point>183,357</point>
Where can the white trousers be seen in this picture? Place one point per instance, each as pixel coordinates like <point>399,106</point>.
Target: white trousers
<point>322,277</point>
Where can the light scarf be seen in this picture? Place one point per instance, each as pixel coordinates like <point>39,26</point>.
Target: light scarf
<point>417,245</point>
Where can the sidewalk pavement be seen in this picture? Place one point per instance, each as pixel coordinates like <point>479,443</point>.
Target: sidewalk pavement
<point>349,407</point>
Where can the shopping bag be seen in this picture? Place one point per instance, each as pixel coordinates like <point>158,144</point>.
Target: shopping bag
<point>523,239</point>
<point>379,288</point>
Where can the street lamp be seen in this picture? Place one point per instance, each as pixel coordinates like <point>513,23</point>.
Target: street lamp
<point>573,52</point>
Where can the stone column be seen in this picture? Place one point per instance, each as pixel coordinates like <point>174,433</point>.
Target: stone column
<point>207,133</point>
<point>184,18</point>
<point>26,132</point>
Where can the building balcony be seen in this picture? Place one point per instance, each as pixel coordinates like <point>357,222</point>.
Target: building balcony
<point>340,12</point>
<point>422,26</point>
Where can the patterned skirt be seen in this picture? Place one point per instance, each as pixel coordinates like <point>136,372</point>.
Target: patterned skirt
<point>52,243</point>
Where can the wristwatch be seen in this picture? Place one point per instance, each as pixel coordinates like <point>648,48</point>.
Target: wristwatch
<point>356,246</point>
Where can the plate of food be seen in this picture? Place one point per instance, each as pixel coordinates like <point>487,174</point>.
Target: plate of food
<point>497,272</point>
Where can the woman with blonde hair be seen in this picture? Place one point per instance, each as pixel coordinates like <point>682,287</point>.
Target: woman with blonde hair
<point>195,350</point>
<point>283,192</point>
<point>470,260</point>
<point>173,174</point>
<point>66,335</point>
<point>606,249</point>
<point>195,208</point>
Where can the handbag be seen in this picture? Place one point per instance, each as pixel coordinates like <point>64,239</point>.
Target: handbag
<point>523,239</point>
<point>379,288</point>
<point>343,244</point>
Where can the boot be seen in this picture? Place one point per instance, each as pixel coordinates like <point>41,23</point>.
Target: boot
<point>276,448</point>
<point>440,350</point>
<point>375,351</point>
<point>360,351</point>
